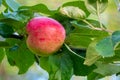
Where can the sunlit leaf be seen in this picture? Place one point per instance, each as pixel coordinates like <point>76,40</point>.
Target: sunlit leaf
<point>84,29</point>
<point>79,4</point>
<point>111,42</point>
<point>107,69</point>
<point>103,50</point>
<point>96,6</point>
<point>13,4</point>
<point>41,8</point>
<point>82,36</point>
<point>73,12</point>
<point>91,55</point>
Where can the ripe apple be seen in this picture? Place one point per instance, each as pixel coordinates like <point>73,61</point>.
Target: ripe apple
<point>45,35</point>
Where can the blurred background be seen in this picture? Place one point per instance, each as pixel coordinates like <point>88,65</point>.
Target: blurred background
<point>111,18</point>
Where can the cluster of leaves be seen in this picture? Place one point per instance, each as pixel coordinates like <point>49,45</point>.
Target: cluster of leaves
<point>89,49</point>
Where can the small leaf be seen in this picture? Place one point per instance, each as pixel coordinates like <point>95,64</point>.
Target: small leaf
<point>91,55</point>
<point>20,56</point>
<point>2,54</point>
<point>96,6</point>
<point>41,8</point>
<point>79,4</point>
<point>103,50</point>
<point>107,69</point>
<point>58,66</point>
<point>73,12</point>
<point>5,30</point>
<point>13,4</point>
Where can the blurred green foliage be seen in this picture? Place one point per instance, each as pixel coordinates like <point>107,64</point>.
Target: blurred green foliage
<point>110,17</point>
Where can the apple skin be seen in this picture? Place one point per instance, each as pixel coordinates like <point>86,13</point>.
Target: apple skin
<point>45,35</point>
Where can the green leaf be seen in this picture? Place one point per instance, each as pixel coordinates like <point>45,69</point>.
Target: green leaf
<point>117,50</point>
<point>20,56</point>
<point>79,68</point>
<point>13,4</point>
<point>96,6</point>
<point>68,27</point>
<point>116,38</point>
<point>91,55</point>
<point>73,12</point>
<point>17,25</point>
<point>88,22</point>
<point>77,41</point>
<point>111,59</point>
<point>114,58</point>
<point>84,29</point>
<point>94,76</point>
<point>81,36</point>
<point>59,66</point>
<point>79,4</point>
<point>2,54</point>
<point>5,30</point>
<point>12,42</point>
<point>112,41</point>
<point>51,65</point>
<point>4,44</point>
<point>41,8</point>
<point>107,69</point>
<point>103,50</point>
<point>16,15</point>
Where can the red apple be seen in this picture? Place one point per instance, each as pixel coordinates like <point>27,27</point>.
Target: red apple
<point>45,35</point>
